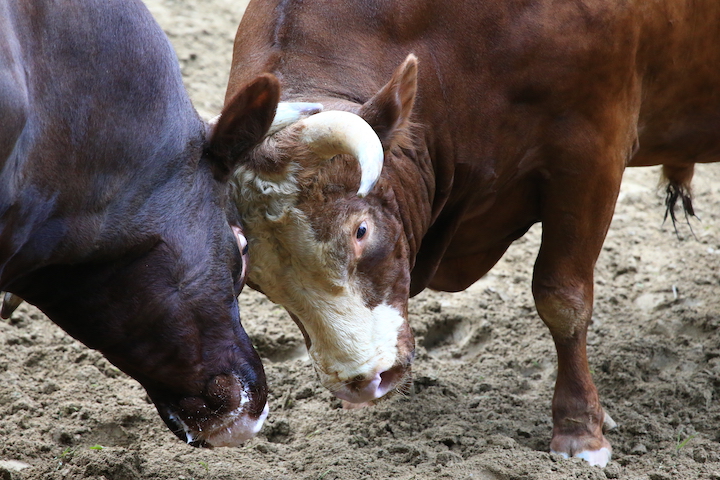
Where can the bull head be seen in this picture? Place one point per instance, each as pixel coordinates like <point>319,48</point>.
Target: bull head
<point>156,292</point>
<point>328,243</point>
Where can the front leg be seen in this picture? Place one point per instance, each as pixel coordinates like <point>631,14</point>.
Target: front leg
<point>576,214</point>
<point>578,417</point>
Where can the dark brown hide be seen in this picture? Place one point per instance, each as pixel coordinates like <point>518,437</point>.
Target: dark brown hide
<point>112,218</point>
<point>526,111</point>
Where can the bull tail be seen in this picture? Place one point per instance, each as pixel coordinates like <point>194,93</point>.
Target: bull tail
<point>677,187</point>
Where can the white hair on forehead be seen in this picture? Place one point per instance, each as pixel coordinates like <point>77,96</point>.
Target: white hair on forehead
<point>281,238</point>
<point>258,197</point>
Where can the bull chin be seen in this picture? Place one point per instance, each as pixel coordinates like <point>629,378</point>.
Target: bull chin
<point>232,430</point>
<point>237,429</point>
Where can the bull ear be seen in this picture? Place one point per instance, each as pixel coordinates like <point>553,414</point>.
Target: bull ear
<point>243,124</point>
<point>388,111</point>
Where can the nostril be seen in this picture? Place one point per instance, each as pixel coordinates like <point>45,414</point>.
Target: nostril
<point>364,388</point>
<point>390,378</point>
<point>359,382</point>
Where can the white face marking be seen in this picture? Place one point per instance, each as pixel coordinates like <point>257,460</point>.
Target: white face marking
<point>350,340</point>
<point>305,276</point>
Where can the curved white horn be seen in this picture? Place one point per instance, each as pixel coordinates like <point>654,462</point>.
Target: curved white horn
<point>288,113</point>
<point>335,132</point>
<point>9,304</point>
<point>213,121</point>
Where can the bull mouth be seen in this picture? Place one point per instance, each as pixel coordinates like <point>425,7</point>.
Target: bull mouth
<point>235,428</point>
<point>213,430</point>
<point>238,428</point>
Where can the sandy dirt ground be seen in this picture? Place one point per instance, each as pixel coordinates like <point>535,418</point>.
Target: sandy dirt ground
<point>483,376</point>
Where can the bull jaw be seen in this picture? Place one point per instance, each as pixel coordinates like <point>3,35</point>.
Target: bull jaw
<point>231,430</point>
<point>360,364</point>
<point>238,430</point>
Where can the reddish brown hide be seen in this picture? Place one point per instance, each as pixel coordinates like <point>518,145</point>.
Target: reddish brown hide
<point>522,112</point>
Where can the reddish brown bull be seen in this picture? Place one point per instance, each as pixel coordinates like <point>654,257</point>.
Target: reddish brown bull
<point>112,207</point>
<point>515,112</point>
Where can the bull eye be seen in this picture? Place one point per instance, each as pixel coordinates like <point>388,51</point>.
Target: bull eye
<point>361,231</point>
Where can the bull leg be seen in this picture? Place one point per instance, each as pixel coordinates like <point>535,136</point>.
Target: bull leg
<point>576,215</point>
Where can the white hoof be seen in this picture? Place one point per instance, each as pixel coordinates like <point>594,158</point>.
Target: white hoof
<point>598,458</point>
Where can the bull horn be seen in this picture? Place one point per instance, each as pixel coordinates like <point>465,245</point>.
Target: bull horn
<point>213,121</point>
<point>9,304</point>
<point>337,132</point>
<point>288,113</point>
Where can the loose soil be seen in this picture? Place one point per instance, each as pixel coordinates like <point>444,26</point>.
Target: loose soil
<point>484,372</point>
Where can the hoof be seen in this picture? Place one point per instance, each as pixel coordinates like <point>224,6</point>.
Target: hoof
<point>598,458</point>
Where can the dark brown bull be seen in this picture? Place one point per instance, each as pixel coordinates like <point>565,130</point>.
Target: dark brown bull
<point>112,207</point>
<point>514,112</point>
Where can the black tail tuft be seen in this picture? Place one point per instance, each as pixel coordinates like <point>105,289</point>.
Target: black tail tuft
<point>673,192</point>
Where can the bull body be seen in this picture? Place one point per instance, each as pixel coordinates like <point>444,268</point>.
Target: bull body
<point>517,112</point>
<point>112,208</point>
